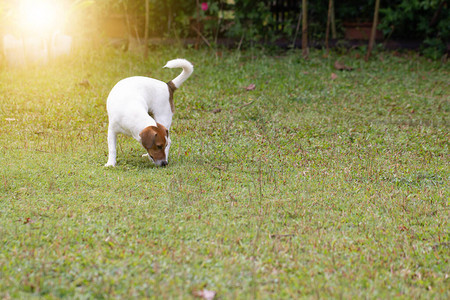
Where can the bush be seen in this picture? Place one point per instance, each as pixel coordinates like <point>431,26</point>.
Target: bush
<point>425,20</point>
<point>252,21</point>
<point>168,17</point>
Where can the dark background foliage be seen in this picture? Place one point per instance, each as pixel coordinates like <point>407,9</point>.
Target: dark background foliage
<point>253,22</point>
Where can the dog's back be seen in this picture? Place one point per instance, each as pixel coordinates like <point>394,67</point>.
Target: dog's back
<point>140,93</point>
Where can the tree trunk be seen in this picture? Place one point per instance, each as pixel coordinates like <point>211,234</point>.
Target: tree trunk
<point>305,50</point>
<point>297,28</point>
<point>197,17</point>
<point>147,20</point>
<point>374,30</point>
<point>327,31</point>
<point>333,22</point>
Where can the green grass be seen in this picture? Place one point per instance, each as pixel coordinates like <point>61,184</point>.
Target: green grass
<point>306,187</point>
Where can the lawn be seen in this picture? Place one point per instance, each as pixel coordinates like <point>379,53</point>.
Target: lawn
<point>317,183</point>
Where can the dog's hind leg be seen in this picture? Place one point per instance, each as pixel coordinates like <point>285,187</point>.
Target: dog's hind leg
<point>112,140</point>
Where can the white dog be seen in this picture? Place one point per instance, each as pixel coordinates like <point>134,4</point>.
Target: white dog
<point>129,104</point>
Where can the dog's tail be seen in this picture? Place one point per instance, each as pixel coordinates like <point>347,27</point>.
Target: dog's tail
<point>188,68</point>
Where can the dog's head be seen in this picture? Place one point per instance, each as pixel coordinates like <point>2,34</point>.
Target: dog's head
<point>155,139</point>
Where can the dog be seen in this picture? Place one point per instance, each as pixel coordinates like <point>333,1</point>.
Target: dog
<point>129,105</point>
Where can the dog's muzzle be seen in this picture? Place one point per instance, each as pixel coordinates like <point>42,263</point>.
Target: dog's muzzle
<point>158,163</point>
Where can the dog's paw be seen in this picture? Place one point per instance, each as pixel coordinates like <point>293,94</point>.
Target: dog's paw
<point>145,154</point>
<point>109,165</point>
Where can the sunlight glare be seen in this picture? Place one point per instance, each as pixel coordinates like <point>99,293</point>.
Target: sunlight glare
<point>38,16</point>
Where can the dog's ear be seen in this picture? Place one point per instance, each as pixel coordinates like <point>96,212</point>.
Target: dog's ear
<point>148,136</point>
<point>163,128</point>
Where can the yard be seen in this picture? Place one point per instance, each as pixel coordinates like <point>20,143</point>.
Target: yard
<point>287,179</point>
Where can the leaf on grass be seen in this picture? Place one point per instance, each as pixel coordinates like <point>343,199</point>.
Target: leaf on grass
<point>250,87</point>
<point>280,236</point>
<point>205,294</point>
<point>85,83</point>
<point>403,228</point>
<point>333,76</point>
<point>341,67</point>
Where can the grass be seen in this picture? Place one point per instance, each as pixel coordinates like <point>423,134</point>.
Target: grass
<point>305,187</point>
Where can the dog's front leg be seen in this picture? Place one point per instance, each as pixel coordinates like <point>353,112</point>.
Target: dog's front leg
<point>112,139</point>
<point>166,151</point>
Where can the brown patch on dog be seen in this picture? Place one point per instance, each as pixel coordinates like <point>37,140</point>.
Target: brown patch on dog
<point>153,138</point>
<point>172,89</point>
